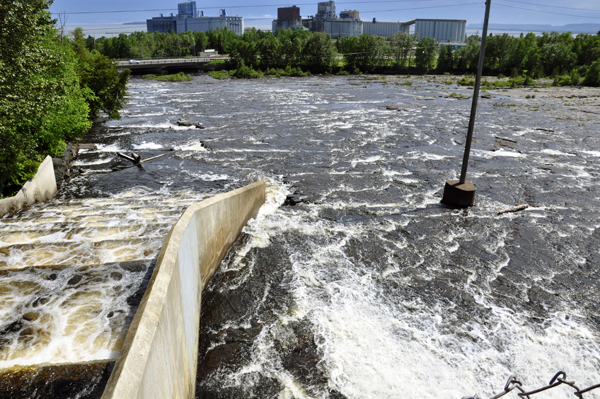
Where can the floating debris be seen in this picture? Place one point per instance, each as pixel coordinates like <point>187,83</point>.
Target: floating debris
<point>515,209</point>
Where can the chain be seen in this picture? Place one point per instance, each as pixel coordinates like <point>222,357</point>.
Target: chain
<point>559,378</point>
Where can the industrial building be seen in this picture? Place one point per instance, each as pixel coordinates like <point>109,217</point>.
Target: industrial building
<point>349,24</point>
<point>287,18</point>
<point>189,18</point>
<point>343,27</point>
<point>326,10</point>
<point>442,30</point>
<point>384,29</point>
<point>325,20</point>
<point>347,14</point>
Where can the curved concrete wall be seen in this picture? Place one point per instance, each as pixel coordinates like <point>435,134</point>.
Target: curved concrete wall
<point>41,188</point>
<point>160,354</point>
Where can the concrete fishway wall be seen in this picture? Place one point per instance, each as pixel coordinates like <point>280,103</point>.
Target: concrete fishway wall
<point>160,354</point>
<point>39,189</point>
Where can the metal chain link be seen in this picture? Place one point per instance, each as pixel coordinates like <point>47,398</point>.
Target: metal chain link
<point>559,378</point>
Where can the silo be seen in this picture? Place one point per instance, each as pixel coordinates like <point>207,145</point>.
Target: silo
<point>383,29</point>
<point>442,30</point>
<point>326,9</point>
<point>343,27</point>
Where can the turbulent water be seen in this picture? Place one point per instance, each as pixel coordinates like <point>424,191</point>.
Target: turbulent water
<point>361,284</point>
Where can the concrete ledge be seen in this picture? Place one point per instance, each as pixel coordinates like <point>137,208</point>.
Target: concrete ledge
<point>160,353</point>
<point>41,188</point>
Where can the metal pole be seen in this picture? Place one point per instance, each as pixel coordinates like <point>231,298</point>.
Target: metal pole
<point>463,172</point>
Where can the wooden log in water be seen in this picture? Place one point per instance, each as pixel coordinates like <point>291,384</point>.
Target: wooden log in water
<point>129,158</point>
<point>515,209</point>
<point>158,156</point>
<point>137,158</point>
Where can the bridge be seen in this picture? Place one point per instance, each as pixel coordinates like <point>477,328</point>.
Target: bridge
<point>169,63</point>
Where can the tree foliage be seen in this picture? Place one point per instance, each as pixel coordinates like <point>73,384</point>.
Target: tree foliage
<point>402,44</point>
<point>44,102</point>
<point>425,54</point>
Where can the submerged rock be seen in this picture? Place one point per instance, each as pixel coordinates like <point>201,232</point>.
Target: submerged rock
<point>293,200</point>
<point>187,122</point>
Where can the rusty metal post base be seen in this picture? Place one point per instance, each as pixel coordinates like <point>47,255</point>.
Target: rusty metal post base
<point>457,194</point>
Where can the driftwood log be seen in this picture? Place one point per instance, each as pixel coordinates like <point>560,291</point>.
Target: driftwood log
<point>515,209</point>
<point>137,158</point>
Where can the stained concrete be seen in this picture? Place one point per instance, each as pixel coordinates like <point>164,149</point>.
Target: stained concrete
<point>159,357</point>
<point>39,189</point>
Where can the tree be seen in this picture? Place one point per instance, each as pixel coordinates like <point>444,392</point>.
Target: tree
<point>270,52</point>
<point>350,47</point>
<point>41,102</point>
<point>402,46</point>
<point>467,58</point>
<point>319,52</point>
<point>109,85</point>
<point>445,59</point>
<point>372,51</point>
<point>592,77</point>
<point>425,54</point>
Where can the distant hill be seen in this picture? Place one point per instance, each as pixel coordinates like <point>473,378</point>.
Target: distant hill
<point>573,28</point>
<point>135,23</point>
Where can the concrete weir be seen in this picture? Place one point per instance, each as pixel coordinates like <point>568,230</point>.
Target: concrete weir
<point>159,356</point>
<point>39,189</point>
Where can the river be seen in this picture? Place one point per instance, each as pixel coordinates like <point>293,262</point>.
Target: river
<point>362,285</point>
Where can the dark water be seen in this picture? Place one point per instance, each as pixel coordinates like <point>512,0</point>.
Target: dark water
<point>367,287</point>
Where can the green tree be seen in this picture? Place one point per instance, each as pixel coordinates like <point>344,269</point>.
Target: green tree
<point>201,41</point>
<point>467,58</point>
<point>109,85</point>
<point>425,54</point>
<point>319,52</point>
<point>270,52</point>
<point>497,52</point>
<point>592,76</point>
<point>372,52</point>
<point>41,102</point>
<point>445,59</point>
<point>402,45</point>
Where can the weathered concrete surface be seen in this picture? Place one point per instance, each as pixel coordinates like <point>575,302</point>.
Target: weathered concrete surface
<point>159,357</point>
<point>41,188</point>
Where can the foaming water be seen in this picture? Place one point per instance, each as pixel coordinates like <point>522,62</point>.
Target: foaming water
<point>73,271</point>
<point>362,285</point>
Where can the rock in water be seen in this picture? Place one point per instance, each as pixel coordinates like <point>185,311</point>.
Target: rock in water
<point>187,122</point>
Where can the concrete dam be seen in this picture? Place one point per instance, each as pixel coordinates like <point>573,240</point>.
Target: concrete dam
<point>75,264</point>
<point>352,281</point>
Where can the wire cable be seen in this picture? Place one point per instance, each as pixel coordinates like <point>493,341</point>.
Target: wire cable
<point>546,5</point>
<point>254,6</point>
<point>546,12</point>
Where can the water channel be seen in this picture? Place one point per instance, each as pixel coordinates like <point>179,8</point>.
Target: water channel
<point>361,284</point>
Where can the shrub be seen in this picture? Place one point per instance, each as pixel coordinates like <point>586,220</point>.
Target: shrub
<point>219,74</point>
<point>592,76</point>
<point>178,77</point>
<point>464,81</point>
<point>572,79</point>
<point>246,72</point>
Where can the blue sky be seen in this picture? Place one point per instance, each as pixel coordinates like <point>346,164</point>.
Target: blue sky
<point>262,12</point>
